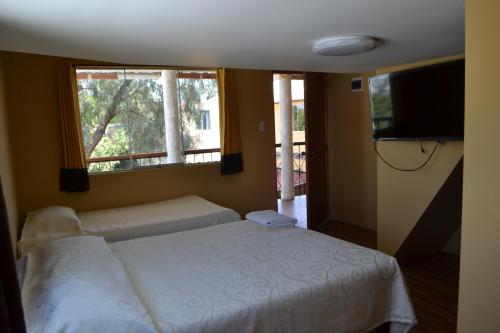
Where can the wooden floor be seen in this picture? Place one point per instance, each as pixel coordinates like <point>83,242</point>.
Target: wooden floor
<point>432,282</point>
<point>296,208</point>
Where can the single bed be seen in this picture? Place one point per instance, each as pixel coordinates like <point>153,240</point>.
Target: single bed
<point>237,277</point>
<point>118,224</point>
<point>163,217</point>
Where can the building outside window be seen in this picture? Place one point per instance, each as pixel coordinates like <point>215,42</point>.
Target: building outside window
<point>203,120</point>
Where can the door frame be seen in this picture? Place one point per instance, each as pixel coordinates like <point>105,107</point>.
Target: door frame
<point>315,101</point>
<point>315,107</point>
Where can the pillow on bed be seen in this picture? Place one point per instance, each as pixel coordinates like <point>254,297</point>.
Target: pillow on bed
<point>44,225</point>
<point>78,285</point>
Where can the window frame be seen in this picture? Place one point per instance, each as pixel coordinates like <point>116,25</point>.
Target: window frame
<point>130,157</point>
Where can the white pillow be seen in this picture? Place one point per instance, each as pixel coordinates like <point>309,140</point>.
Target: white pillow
<point>78,285</point>
<point>47,224</point>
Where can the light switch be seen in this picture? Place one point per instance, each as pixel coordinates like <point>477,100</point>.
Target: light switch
<point>262,126</point>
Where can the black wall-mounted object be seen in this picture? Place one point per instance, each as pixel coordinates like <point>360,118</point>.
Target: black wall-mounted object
<point>357,84</point>
<point>425,103</point>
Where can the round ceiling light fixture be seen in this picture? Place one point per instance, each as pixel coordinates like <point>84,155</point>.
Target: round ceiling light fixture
<point>344,45</point>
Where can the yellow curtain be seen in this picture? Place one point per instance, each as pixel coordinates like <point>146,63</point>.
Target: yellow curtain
<point>73,175</point>
<point>231,155</point>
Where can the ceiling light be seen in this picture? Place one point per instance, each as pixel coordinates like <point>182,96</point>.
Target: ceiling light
<point>344,45</point>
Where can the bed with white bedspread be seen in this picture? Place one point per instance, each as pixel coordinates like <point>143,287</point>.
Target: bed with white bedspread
<point>162,217</point>
<point>236,277</point>
<point>123,223</point>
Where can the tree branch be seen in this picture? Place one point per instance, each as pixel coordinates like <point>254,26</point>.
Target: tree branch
<point>111,112</point>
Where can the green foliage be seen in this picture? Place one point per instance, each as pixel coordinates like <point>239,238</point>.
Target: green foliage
<point>146,120</point>
<point>191,92</point>
<point>381,102</point>
<point>95,97</point>
<point>298,118</point>
<point>382,105</point>
<point>382,110</point>
<point>114,144</point>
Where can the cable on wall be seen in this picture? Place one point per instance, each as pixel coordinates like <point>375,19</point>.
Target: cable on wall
<point>408,170</point>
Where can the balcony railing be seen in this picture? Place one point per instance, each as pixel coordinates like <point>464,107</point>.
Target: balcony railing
<point>133,161</point>
<point>299,168</point>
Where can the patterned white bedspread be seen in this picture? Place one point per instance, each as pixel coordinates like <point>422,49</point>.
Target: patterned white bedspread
<point>156,218</point>
<point>237,277</point>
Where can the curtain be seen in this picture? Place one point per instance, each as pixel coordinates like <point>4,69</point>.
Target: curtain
<point>231,155</point>
<point>74,176</point>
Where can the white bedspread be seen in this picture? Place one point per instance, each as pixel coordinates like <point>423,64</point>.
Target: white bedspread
<point>237,277</point>
<point>77,285</point>
<point>163,217</point>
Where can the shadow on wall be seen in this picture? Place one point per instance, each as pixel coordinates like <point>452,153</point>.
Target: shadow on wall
<point>404,198</point>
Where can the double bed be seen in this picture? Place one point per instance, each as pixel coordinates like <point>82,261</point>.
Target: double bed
<point>232,277</point>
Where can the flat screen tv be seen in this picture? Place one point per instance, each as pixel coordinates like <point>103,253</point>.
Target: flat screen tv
<point>426,103</point>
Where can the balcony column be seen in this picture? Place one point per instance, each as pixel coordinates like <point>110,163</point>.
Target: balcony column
<point>287,179</point>
<point>171,111</point>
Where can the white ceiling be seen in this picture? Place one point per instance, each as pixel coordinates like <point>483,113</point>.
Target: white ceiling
<point>262,34</point>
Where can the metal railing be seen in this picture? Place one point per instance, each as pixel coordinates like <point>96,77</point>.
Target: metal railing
<point>134,161</point>
<point>299,168</point>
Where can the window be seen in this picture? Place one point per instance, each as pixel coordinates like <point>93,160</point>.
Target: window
<point>203,120</point>
<point>133,117</point>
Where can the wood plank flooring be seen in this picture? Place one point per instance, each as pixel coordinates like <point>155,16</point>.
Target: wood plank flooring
<point>296,208</point>
<point>432,282</point>
<point>433,285</point>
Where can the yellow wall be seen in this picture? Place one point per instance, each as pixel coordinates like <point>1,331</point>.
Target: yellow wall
<point>36,150</point>
<point>6,172</point>
<point>479,297</point>
<point>402,197</point>
<point>352,161</point>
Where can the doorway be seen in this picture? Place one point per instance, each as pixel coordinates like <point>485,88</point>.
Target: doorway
<point>290,144</point>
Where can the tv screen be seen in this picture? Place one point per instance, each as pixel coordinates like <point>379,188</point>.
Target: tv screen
<point>420,104</point>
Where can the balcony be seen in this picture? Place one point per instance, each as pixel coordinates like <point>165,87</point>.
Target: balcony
<point>124,162</point>
<point>195,156</point>
<point>299,168</point>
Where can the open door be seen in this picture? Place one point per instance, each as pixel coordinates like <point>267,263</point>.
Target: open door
<point>317,148</point>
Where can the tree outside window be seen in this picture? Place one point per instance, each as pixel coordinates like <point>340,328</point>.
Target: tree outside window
<point>123,115</point>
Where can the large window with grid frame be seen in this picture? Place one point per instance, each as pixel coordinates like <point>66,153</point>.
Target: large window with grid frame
<point>132,117</point>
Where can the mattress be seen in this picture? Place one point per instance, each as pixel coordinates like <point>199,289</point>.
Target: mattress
<point>180,214</point>
<point>237,277</point>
